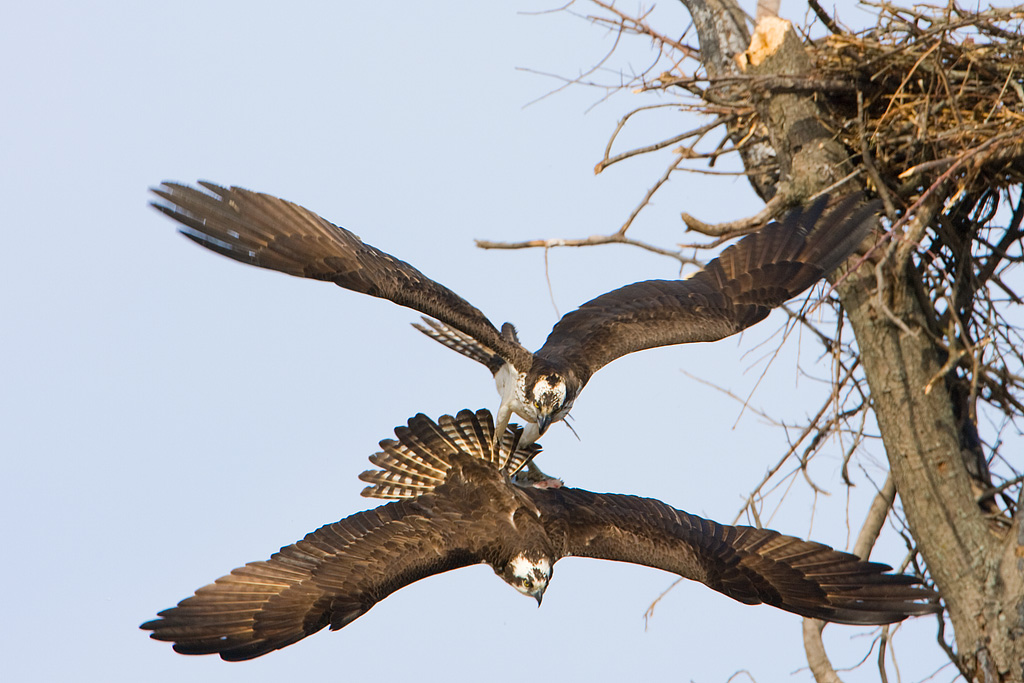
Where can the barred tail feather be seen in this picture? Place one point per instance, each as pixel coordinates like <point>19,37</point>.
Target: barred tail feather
<point>460,342</point>
<point>419,459</point>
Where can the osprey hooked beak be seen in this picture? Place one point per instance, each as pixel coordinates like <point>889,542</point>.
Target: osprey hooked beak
<point>543,422</point>
<point>537,592</point>
<point>529,577</point>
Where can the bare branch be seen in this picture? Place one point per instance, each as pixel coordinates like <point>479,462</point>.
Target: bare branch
<point>739,226</point>
<point>823,17</point>
<point>925,110</point>
<point>877,513</point>
<point>593,240</point>
<point>817,658</point>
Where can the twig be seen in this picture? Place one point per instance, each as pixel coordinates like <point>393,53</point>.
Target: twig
<point>649,612</point>
<point>817,658</point>
<point>823,17</point>
<point>551,289</point>
<point>650,193</point>
<point>875,519</point>
<point>594,240</point>
<point>869,162</point>
<point>769,211</point>
<point>608,161</point>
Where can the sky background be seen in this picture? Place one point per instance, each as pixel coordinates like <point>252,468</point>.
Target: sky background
<point>168,415</point>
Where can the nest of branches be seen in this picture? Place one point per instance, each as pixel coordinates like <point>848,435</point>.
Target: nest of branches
<point>939,96</point>
<point>929,104</point>
<point>936,118</point>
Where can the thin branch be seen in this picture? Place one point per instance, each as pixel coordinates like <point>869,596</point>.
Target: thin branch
<point>650,193</point>
<point>824,18</point>
<point>701,131</point>
<point>817,658</point>
<point>869,163</point>
<point>769,211</point>
<point>591,241</point>
<point>551,289</point>
<point>649,612</point>
<point>875,519</point>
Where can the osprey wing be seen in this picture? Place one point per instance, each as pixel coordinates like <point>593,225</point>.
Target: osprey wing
<point>461,343</point>
<point>750,565</point>
<point>329,578</point>
<point>273,233</point>
<point>738,289</point>
<point>418,460</point>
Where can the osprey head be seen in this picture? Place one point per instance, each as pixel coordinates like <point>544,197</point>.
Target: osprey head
<point>528,575</point>
<point>546,397</point>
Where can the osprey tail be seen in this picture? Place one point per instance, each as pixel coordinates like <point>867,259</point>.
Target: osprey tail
<point>419,459</point>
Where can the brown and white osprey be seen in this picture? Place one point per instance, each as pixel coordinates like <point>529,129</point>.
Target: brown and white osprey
<point>456,507</point>
<point>734,291</point>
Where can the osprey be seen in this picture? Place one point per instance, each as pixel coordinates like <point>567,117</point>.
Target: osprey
<point>734,291</point>
<point>456,506</point>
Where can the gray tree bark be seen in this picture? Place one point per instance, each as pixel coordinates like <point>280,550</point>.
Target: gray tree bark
<point>978,568</point>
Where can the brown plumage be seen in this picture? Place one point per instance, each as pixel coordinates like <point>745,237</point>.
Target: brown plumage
<point>460,509</point>
<point>734,291</point>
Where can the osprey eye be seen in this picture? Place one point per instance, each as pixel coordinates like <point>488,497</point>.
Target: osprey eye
<point>528,584</point>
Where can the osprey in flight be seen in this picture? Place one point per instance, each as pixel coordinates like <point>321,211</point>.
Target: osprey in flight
<point>456,507</point>
<point>739,288</point>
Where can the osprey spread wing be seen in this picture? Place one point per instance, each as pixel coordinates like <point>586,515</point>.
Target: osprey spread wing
<point>734,291</point>
<point>457,507</point>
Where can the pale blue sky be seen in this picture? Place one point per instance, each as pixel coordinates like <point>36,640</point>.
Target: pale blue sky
<point>168,415</point>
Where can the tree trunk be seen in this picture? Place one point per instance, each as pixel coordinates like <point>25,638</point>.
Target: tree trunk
<point>978,568</point>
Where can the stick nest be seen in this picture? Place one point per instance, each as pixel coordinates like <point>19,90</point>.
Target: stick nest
<point>941,94</point>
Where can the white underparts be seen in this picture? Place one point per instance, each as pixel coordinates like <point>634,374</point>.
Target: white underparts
<point>512,389</point>
<point>511,386</point>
